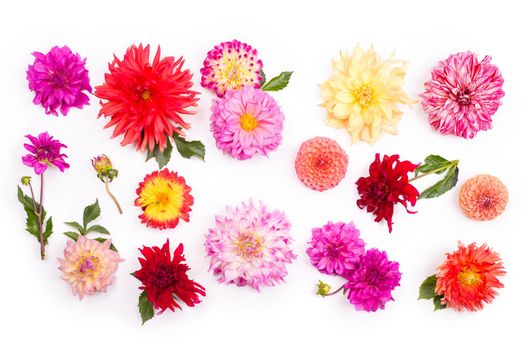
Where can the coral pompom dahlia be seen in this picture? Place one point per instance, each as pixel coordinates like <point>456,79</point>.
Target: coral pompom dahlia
<point>246,122</point>
<point>231,66</point>
<point>88,265</point>
<point>463,94</point>
<point>145,99</point>
<point>469,277</point>
<point>363,94</point>
<point>321,163</point>
<point>250,246</point>
<point>59,80</point>
<point>483,197</point>
<point>164,198</point>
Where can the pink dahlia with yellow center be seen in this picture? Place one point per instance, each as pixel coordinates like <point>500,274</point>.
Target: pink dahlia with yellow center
<point>89,266</point>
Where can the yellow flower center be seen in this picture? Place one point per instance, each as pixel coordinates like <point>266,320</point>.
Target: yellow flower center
<point>248,122</point>
<point>364,96</point>
<point>249,245</point>
<point>162,199</point>
<point>88,265</point>
<point>469,278</point>
<point>146,95</point>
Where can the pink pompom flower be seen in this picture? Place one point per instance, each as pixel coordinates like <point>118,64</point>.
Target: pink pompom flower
<point>463,94</point>
<point>89,266</point>
<point>59,80</point>
<point>246,122</point>
<point>335,247</point>
<point>250,246</point>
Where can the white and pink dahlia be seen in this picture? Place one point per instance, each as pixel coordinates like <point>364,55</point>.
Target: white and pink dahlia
<point>246,122</point>
<point>230,66</point>
<point>89,266</point>
<point>250,246</point>
<point>463,94</point>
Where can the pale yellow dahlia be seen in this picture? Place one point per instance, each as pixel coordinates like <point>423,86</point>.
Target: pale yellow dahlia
<point>363,94</point>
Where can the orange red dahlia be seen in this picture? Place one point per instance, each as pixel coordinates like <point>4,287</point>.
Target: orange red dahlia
<point>164,198</point>
<point>146,99</point>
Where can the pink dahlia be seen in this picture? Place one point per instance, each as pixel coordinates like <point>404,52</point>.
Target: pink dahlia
<point>246,122</point>
<point>59,80</point>
<point>371,281</point>
<point>463,94</point>
<point>89,266</point>
<point>230,66</point>
<point>45,151</point>
<point>250,246</point>
<point>335,247</point>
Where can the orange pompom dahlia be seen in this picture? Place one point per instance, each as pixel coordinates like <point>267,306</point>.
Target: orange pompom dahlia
<point>469,277</point>
<point>483,197</point>
<point>164,198</point>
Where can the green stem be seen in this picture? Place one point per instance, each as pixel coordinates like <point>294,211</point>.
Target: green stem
<point>39,214</point>
<point>112,196</point>
<point>335,292</point>
<point>453,163</point>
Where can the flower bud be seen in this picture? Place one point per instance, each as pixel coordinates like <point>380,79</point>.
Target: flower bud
<point>323,288</point>
<point>103,167</point>
<point>25,180</point>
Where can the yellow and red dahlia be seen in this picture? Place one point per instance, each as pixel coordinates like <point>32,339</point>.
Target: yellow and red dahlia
<point>164,198</point>
<point>469,277</point>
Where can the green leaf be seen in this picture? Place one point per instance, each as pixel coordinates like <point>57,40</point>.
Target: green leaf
<point>98,229</point>
<point>147,311</point>
<point>72,235</point>
<point>438,303</point>
<point>101,240</point>
<point>188,149</point>
<point>432,163</point>
<point>26,201</point>
<point>277,83</point>
<point>32,223</point>
<point>77,226</point>
<point>442,186</point>
<point>162,158</point>
<point>90,213</point>
<point>263,77</point>
<point>150,154</point>
<point>427,288</point>
<point>48,230</point>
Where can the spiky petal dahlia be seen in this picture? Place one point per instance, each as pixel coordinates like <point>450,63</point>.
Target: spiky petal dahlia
<point>483,197</point>
<point>164,198</point>
<point>165,278</point>
<point>335,247</point>
<point>231,66</point>
<point>363,93</point>
<point>372,280</point>
<point>246,122</point>
<point>463,94</point>
<point>89,266</point>
<point>250,246</point>
<point>321,163</point>
<point>145,99</point>
<point>387,185</point>
<point>469,277</point>
<point>59,80</point>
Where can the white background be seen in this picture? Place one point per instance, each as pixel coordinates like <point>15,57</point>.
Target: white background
<point>38,310</point>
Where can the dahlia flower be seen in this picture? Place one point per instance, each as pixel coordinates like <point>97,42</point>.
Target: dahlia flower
<point>88,265</point>
<point>45,151</point>
<point>463,94</point>
<point>469,277</point>
<point>59,80</point>
<point>164,198</point>
<point>165,278</point>
<point>483,197</point>
<point>246,122</point>
<point>231,66</point>
<point>321,163</point>
<point>371,281</point>
<point>335,247</point>
<point>145,99</point>
<point>363,94</point>
<point>387,185</point>
<point>250,246</point>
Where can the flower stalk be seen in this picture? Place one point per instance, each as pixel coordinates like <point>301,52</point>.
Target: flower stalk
<point>38,212</point>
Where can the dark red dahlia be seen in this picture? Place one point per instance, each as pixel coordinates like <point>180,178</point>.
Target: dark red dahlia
<point>387,185</point>
<point>165,279</point>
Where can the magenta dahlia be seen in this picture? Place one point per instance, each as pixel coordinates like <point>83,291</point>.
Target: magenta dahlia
<point>44,151</point>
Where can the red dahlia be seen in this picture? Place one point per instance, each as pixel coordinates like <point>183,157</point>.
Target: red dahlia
<point>387,185</point>
<point>165,279</point>
<point>146,100</point>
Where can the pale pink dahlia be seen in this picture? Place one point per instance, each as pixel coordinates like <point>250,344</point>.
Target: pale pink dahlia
<point>250,246</point>
<point>89,266</point>
<point>463,94</point>
<point>335,247</point>
<point>246,122</point>
<point>230,66</point>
